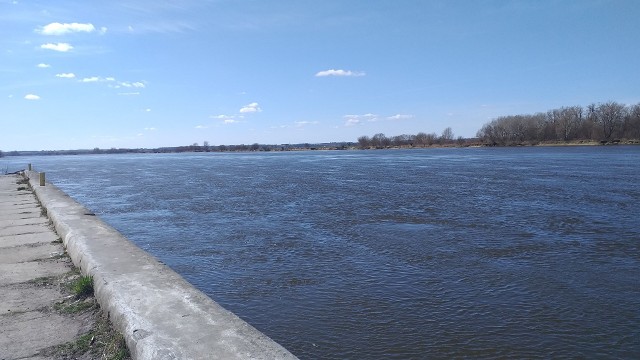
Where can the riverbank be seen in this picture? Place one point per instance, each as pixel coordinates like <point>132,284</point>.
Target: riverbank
<point>40,314</point>
<point>160,315</point>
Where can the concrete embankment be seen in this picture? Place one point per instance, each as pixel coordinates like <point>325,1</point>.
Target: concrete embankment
<point>160,314</point>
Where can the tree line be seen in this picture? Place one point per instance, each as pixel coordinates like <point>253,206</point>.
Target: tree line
<point>603,122</point>
<point>609,122</point>
<point>421,139</point>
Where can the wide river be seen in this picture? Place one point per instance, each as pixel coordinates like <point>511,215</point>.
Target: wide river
<point>436,253</point>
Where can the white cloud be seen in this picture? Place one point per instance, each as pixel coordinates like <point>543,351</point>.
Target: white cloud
<point>227,119</point>
<point>32,97</point>
<point>115,84</point>
<point>351,120</point>
<point>148,110</point>
<point>66,75</point>
<point>150,129</point>
<point>43,66</point>
<point>98,79</point>
<point>127,84</point>
<point>333,72</point>
<point>400,117</point>
<point>91,79</point>
<point>201,127</point>
<point>367,117</point>
<point>62,47</point>
<point>61,29</point>
<point>251,108</point>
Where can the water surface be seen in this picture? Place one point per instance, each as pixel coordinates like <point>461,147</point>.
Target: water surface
<point>437,253</point>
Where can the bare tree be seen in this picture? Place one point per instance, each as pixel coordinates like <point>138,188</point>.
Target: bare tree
<point>610,116</point>
<point>447,135</point>
<point>380,141</point>
<point>632,122</point>
<point>364,142</point>
<point>401,140</point>
<point>421,139</point>
<point>568,121</point>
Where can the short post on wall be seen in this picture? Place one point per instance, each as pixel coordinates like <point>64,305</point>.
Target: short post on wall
<point>29,167</point>
<point>42,179</point>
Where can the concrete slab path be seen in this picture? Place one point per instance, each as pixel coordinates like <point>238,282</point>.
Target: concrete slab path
<point>30,253</point>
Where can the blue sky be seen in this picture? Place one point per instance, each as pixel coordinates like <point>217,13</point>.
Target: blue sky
<point>151,73</point>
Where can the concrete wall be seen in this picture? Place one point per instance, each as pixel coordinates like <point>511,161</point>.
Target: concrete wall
<point>160,314</point>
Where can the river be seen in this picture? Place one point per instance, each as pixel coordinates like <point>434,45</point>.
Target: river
<point>407,254</point>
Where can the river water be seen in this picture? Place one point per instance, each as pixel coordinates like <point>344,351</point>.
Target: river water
<point>436,253</point>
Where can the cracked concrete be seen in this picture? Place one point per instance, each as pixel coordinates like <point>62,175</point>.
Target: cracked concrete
<point>29,253</point>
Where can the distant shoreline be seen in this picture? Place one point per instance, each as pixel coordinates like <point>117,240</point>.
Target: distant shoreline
<point>474,143</point>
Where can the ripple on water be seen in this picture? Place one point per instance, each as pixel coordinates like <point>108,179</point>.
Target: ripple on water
<point>476,253</point>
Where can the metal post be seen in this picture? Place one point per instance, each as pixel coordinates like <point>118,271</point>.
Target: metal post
<point>41,179</point>
<point>29,167</point>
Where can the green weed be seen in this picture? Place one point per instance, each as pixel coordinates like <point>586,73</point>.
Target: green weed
<point>83,286</point>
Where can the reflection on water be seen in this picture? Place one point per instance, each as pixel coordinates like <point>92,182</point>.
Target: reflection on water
<point>393,254</point>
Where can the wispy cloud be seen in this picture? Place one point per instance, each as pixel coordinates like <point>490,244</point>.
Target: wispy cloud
<point>352,120</point>
<point>221,117</point>
<point>62,29</point>
<point>300,124</point>
<point>333,72</point>
<point>127,84</point>
<point>115,84</point>
<point>400,117</point>
<point>62,47</point>
<point>32,97</point>
<point>251,108</point>
<point>132,93</point>
<point>92,79</point>
<point>161,28</point>
<point>66,75</point>
<point>43,65</point>
<point>227,119</point>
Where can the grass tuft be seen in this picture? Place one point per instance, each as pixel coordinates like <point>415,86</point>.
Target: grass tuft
<point>83,286</point>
